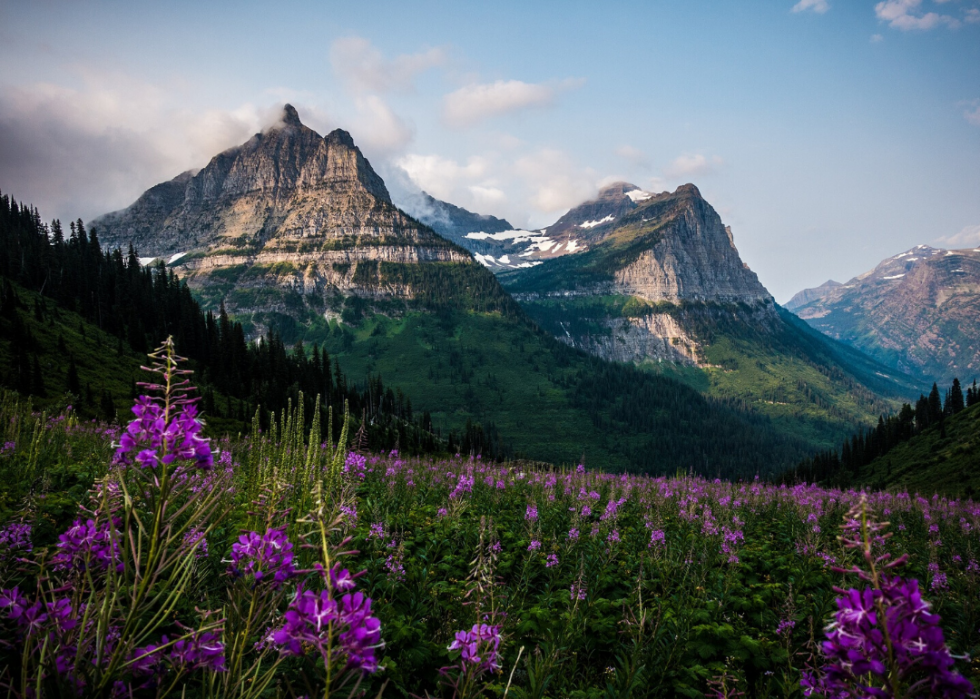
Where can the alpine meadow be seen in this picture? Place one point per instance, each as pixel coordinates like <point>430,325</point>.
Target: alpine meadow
<point>461,351</point>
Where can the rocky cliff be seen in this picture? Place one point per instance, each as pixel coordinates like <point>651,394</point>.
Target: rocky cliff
<point>917,311</point>
<point>288,212</point>
<point>666,255</point>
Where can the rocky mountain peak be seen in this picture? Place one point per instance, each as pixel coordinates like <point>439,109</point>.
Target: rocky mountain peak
<point>290,117</point>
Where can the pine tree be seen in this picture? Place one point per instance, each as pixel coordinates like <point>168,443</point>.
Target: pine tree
<point>935,405</point>
<point>956,397</point>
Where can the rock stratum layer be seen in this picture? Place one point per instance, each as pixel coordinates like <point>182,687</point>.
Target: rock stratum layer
<point>287,211</point>
<point>918,311</point>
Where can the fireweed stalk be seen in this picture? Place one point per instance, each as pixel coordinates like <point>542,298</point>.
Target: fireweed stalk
<point>102,616</point>
<point>883,641</point>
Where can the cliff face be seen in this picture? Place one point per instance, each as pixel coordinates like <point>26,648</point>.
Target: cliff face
<point>916,311</point>
<point>669,254</point>
<point>288,210</point>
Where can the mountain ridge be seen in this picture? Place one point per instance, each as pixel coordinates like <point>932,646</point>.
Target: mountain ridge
<point>915,311</point>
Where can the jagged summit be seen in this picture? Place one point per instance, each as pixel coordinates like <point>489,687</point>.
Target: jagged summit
<point>290,116</point>
<point>299,211</point>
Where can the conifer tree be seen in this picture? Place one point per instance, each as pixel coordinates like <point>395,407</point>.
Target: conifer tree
<point>72,384</point>
<point>956,397</point>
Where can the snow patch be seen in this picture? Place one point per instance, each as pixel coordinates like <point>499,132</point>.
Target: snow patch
<point>572,246</point>
<point>504,259</point>
<point>516,236</point>
<point>897,276</point>
<point>638,195</point>
<point>526,265</point>
<point>600,222</point>
<point>144,261</point>
<point>174,258</point>
<point>485,260</point>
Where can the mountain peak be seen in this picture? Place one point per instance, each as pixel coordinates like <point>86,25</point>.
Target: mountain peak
<point>616,190</point>
<point>690,190</point>
<point>290,117</point>
<point>340,137</point>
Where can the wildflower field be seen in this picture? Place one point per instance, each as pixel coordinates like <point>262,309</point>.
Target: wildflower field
<point>148,561</point>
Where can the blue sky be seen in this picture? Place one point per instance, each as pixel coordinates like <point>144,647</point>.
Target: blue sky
<point>829,135</point>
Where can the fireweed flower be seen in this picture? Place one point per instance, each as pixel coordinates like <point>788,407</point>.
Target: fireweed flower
<point>573,533</point>
<point>155,441</point>
<point>16,536</point>
<point>657,538</point>
<point>552,560</point>
<point>312,618</point>
<point>531,514</point>
<point>534,545</point>
<point>478,647</point>
<point>196,537</point>
<point>87,544</point>
<point>266,556</point>
<point>200,651</point>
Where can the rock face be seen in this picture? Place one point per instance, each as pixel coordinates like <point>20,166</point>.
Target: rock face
<point>287,211</point>
<point>918,311</point>
<point>667,255</point>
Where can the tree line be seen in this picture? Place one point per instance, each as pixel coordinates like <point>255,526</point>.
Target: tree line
<point>836,466</point>
<point>142,304</point>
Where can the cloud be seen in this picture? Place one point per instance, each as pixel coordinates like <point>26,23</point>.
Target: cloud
<point>473,103</point>
<point>685,166</point>
<point>634,156</point>
<point>440,176</point>
<point>85,150</point>
<point>818,6</point>
<point>378,129</point>
<point>554,182</point>
<point>902,14</point>
<point>968,237</point>
<point>364,69</point>
<point>877,38</point>
<point>972,16</point>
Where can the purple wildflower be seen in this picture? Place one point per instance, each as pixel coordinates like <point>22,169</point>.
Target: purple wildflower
<point>16,536</point>
<point>658,538</point>
<point>263,556</point>
<point>531,514</point>
<point>534,545</point>
<point>552,560</point>
<point>312,618</point>
<point>157,442</point>
<point>573,534</point>
<point>200,651</point>
<point>87,544</point>
<point>478,647</point>
<point>856,648</point>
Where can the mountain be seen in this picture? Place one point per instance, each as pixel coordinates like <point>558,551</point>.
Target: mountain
<point>916,312</point>
<point>662,285</point>
<point>498,246</point>
<point>801,298</point>
<point>296,232</point>
<point>288,221</point>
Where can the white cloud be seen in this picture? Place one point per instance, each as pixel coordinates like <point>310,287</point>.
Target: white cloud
<point>818,6</point>
<point>440,176</point>
<point>692,166</point>
<point>365,69</point>
<point>877,38</point>
<point>554,181</point>
<point>473,103</point>
<point>968,237</point>
<point>95,147</point>
<point>972,16</point>
<point>903,14</point>
<point>487,196</point>
<point>377,128</point>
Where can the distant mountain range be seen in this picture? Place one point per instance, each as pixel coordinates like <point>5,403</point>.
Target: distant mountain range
<point>918,311</point>
<point>692,365</point>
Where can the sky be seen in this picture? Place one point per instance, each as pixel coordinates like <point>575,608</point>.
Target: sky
<point>828,134</point>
